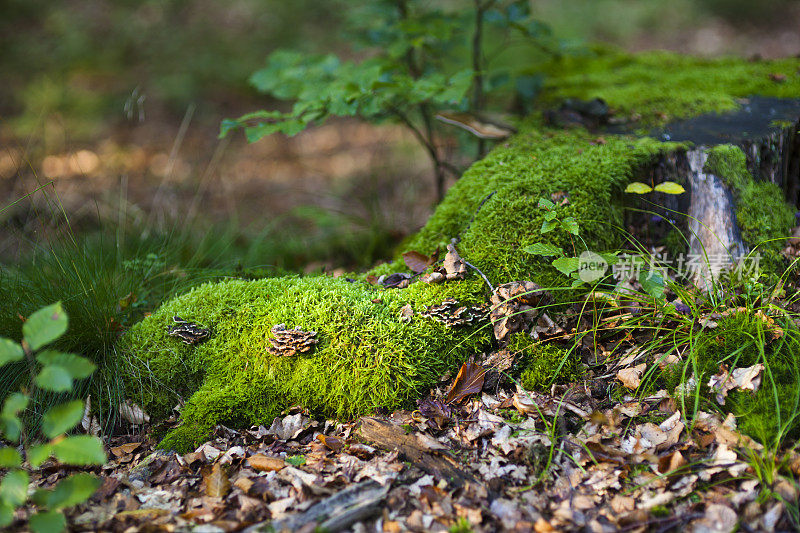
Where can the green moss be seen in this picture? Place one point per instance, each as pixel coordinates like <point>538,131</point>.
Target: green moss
<point>366,357</point>
<point>533,165</point>
<point>660,86</point>
<point>763,216</point>
<point>742,340</point>
<point>542,365</point>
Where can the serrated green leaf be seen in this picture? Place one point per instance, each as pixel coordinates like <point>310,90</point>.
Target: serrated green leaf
<point>68,492</point>
<point>570,225</point>
<point>637,187</point>
<point>548,225</point>
<point>47,522</point>
<point>54,378</point>
<point>9,457</point>
<point>62,418</point>
<point>80,450</point>
<point>45,325</point>
<point>79,367</point>
<point>670,187</point>
<point>652,283</point>
<point>39,454</point>
<point>544,203</point>
<point>10,351</point>
<point>566,265</point>
<point>14,487</point>
<point>540,248</point>
<point>576,283</point>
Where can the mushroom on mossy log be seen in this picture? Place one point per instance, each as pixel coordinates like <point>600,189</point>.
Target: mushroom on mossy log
<point>369,354</point>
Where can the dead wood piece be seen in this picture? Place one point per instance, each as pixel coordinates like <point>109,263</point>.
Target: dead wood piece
<point>288,342</point>
<point>439,464</point>
<point>334,513</point>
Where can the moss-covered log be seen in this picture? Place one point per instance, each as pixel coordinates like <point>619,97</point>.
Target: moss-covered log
<point>367,356</point>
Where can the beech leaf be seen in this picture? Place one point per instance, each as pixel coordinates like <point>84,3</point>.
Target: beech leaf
<point>217,482</point>
<point>416,262</point>
<point>638,188</point>
<point>468,381</point>
<point>670,187</point>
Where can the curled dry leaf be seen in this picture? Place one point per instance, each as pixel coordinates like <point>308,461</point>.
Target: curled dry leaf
<point>406,312</point>
<point>436,411</point>
<point>417,262</point>
<point>453,267</point>
<point>468,381</point>
<point>133,413</point>
<point>748,378</point>
<point>632,377</point>
<point>479,126</point>
<point>289,427</point>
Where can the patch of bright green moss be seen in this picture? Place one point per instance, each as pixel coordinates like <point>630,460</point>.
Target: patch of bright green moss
<point>661,86</point>
<point>544,364</point>
<point>763,216</point>
<point>533,165</point>
<point>366,357</point>
<point>742,340</point>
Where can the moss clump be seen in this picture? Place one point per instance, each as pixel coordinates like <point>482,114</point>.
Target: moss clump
<point>366,357</point>
<point>661,86</point>
<point>763,216</point>
<point>533,165</point>
<point>742,340</point>
<point>541,365</point>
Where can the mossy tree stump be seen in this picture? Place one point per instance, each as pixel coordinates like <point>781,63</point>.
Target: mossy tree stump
<point>368,355</point>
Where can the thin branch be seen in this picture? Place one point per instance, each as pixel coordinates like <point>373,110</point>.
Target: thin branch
<point>476,269</point>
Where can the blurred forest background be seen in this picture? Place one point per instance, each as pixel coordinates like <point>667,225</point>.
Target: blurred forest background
<point>115,190</point>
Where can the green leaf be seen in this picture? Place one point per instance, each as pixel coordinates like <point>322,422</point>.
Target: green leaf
<point>6,513</point>
<point>548,225</point>
<point>10,351</point>
<point>9,457</point>
<point>296,460</point>
<point>550,215</point>
<point>540,248</point>
<point>670,187</point>
<point>62,418</point>
<point>80,450</point>
<point>652,283</point>
<point>546,204</point>
<point>15,403</point>
<point>566,265</point>
<point>10,427</point>
<point>638,188</point>
<point>45,325</point>
<point>48,522</point>
<point>70,491</point>
<point>39,454</point>
<point>14,487</point>
<point>54,378</point>
<point>78,367</point>
<point>570,225</point>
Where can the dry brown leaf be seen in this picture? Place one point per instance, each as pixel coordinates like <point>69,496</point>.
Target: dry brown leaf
<point>632,377</point>
<point>406,312</point>
<point>133,413</point>
<point>334,444</point>
<point>468,381</point>
<point>671,462</point>
<point>265,463</point>
<point>748,378</point>
<point>217,483</point>
<point>125,449</point>
<point>417,262</point>
<point>476,125</point>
